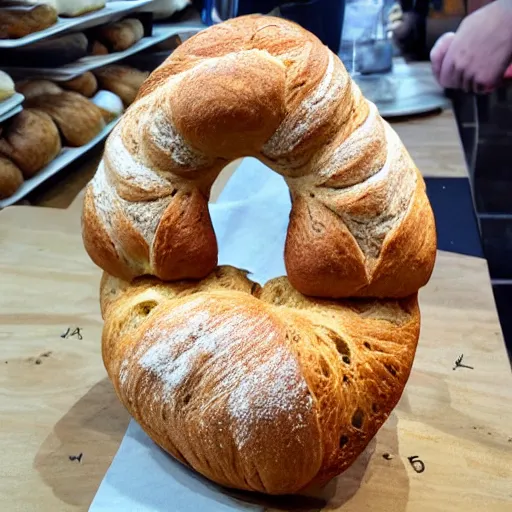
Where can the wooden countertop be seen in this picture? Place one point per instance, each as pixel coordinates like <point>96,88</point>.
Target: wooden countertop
<point>56,401</point>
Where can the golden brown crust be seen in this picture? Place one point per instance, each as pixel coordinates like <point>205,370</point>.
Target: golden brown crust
<point>79,120</point>
<point>11,178</point>
<point>360,225</point>
<point>269,393</point>
<point>31,140</point>
<point>85,84</point>
<point>173,256</point>
<point>121,35</point>
<point>19,19</point>
<point>33,88</point>
<point>121,80</point>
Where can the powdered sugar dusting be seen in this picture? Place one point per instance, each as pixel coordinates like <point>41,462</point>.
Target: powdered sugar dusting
<point>146,215</point>
<point>103,195</point>
<point>124,165</point>
<point>352,147</point>
<point>274,388</point>
<point>232,357</point>
<point>164,135</point>
<point>311,112</point>
<point>396,180</point>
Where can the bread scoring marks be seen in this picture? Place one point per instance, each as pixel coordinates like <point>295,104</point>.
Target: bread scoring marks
<point>312,112</point>
<point>390,191</point>
<point>125,166</point>
<point>103,196</point>
<point>146,215</point>
<point>273,390</point>
<point>168,140</point>
<point>350,150</point>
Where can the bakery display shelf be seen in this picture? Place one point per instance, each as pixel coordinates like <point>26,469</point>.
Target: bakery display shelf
<point>161,32</point>
<point>10,106</point>
<point>10,113</point>
<point>112,11</point>
<point>65,157</point>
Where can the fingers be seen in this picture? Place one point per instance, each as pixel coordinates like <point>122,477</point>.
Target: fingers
<point>451,75</point>
<point>438,52</point>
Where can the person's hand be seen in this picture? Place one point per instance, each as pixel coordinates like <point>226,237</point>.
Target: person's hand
<point>476,57</point>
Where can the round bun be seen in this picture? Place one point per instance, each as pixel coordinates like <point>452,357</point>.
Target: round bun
<point>33,88</point>
<point>11,178</point>
<point>258,389</point>
<point>361,223</point>
<point>30,140</point>
<point>85,84</point>
<point>264,389</point>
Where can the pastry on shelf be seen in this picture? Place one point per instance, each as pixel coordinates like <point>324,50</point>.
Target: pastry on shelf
<point>32,88</point>
<point>85,84</point>
<point>30,140</point>
<point>19,19</point>
<point>163,9</point>
<point>74,8</point>
<point>98,48</point>
<point>79,120</point>
<point>48,53</point>
<point>6,86</point>
<point>121,35</point>
<point>11,178</point>
<point>109,103</point>
<point>121,80</point>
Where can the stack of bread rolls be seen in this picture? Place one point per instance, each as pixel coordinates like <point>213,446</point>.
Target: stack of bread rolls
<point>20,18</point>
<point>69,113</point>
<point>275,388</point>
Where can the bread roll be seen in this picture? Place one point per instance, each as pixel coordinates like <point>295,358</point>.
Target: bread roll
<point>361,224</point>
<point>48,53</point>
<point>6,86</point>
<point>121,80</point>
<point>79,120</point>
<point>30,140</point>
<point>262,390</point>
<point>19,19</point>
<point>98,48</point>
<point>110,104</point>
<point>73,8</point>
<point>121,35</point>
<point>33,88</point>
<point>11,178</point>
<point>85,84</point>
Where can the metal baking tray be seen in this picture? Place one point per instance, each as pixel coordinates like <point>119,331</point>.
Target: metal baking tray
<point>111,12</point>
<point>11,106</point>
<point>62,160</point>
<point>160,33</point>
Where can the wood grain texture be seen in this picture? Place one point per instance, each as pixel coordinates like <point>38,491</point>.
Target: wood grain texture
<point>434,144</point>
<point>458,422</point>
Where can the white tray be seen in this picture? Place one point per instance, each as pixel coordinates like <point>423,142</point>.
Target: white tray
<point>65,157</point>
<point>160,33</point>
<point>9,105</point>
<point>10,113</point>
<point>112,10</point>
